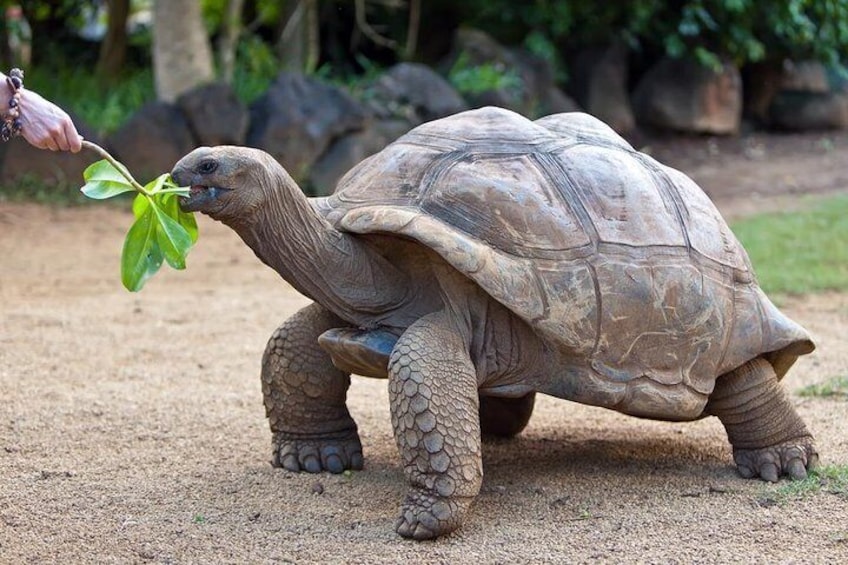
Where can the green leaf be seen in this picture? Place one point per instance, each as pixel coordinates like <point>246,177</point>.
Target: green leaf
<point>140,204</point>
<point>141,256</point>
<point>172,187</point>
<point>156,184</point>
<point>174,241</point>
<point>104,181</point>
<point>171,206</point>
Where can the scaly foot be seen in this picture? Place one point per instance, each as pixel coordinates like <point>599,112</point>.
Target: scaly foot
<point>315,454</point>
<point>424,515</point>
<point>792,458</point>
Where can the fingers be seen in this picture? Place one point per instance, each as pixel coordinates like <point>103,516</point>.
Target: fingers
<point>61,139</point>
<point>73,137</point>
<point>61,136</point>
<point>47,126</point>
<point>67,138</point>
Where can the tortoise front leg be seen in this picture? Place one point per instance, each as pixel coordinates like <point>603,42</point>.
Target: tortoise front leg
<point>305,398</point>
<point>434,405</point>
<point>769,438</point>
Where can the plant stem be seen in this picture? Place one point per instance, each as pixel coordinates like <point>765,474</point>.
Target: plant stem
<point>114,162</point>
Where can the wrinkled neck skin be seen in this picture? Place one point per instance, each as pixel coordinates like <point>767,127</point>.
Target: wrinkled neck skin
<point>337,270</point>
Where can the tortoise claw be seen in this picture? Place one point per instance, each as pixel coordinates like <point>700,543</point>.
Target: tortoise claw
<point>313,455</point>
<point>427,516</point>
<point>791,459</point>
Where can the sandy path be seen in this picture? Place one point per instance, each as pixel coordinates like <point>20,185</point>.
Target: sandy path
<point>132,430</point>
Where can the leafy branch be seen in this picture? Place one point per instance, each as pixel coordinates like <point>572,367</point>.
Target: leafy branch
<point>162,232</point>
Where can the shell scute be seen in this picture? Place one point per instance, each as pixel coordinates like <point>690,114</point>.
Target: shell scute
<point>506,201</point>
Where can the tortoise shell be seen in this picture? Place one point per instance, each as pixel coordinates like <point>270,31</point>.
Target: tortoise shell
<point>622,264</point>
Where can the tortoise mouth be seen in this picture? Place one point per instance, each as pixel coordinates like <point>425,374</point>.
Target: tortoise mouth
<point>200,197</point>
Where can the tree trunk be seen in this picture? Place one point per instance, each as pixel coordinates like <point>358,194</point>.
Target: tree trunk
<point>5,49</point>
<point>228,42</point>
<point>412,30</point>
<point>182,56</point>
<point>113,49</point>
<point>298,45</point>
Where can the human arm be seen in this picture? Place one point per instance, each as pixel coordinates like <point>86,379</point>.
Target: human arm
<point>44,124</point>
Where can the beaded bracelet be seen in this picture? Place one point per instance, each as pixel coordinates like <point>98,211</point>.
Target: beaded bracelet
<point>12,124</point>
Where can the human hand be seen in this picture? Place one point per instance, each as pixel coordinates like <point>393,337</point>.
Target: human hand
<point>47,126</point>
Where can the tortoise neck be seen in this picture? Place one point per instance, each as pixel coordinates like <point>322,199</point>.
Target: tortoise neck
<point>335,269</point>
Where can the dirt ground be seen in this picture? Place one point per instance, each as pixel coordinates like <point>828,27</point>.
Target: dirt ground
<point>132,426</point>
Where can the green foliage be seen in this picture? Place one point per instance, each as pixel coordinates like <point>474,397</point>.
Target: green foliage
<point>80,92</point>
<point>708,30</point>
<point>833,387</point>
<point>795,252</point>
<point>541,46</point>
<point>256,68</point>
<point>162,232</point>
<point>267,12</point>
<point>831,479</point>
<point>475,79</point>
<point>750,31</point>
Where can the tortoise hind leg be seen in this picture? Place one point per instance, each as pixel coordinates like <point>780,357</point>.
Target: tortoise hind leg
<point>769,438</point>
<point>505,417</point>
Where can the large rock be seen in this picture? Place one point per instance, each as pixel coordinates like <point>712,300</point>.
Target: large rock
<point>21,161</point>
<point>527,84</point>
<point>298,118</point>
<point>599,76</point>
<point>350,150</point>
<point>805,111</point>
<point>683,95</point>
<point>808,98</point>
<point>805,76</point>
<point>546,97</point>
<point>152,141</point>
<point>416,93</point>
<point>793,95</point>
<point>214,113</point>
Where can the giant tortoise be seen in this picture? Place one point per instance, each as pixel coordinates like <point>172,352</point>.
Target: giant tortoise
<point>482,258</point>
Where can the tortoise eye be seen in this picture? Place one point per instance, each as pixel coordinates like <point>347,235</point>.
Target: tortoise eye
<point>206,167</point>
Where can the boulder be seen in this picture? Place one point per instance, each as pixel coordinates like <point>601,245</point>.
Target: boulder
<point>599,76</point>
<point>805,110</point>
<point>215,115</point>
<point>349,150</point>
<point>805,76</point>
<point>414,92</point>
<point>21,160</point>
<point>540,76</point>
<point>683,95</point>
<point>298,118</point>
<point>527,83</point>
<point>152,141</point>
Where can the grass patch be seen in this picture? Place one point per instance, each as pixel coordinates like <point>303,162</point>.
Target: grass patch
<point>30,188</point>
<point>799,252</point>
<point>835,386</point>
<point>831,479</point>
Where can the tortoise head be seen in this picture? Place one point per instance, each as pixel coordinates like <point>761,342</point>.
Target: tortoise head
<point>226,182</point>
